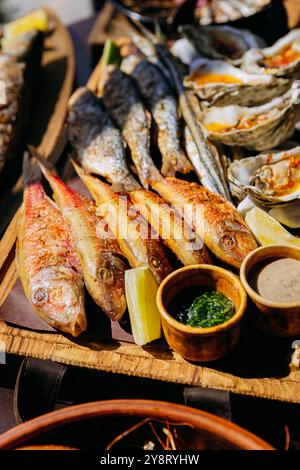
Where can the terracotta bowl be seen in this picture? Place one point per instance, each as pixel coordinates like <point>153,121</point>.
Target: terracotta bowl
<point>95,425</point>
<point>273,318</point>
<point>201,344</point>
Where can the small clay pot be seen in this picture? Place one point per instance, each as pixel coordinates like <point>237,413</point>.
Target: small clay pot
<point>273,318</point>
<point>201,344</point>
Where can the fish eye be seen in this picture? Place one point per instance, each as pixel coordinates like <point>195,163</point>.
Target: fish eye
<point>40,296</point>
<point>105,275</point>
<point>155,262</point>
<point>228,241</point>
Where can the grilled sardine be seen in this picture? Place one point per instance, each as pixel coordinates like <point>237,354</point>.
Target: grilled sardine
<point>162,104</point>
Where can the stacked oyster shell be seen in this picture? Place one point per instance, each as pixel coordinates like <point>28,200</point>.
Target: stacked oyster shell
<point>252,101</point>
<point>223,11</point>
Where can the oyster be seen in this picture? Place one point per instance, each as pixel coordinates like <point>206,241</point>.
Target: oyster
<point>218,42</point>
<point>272,179</point>
<point>219,82</point>
<point>259,128</point>
<point>281,59</point>
<point>223,11</point>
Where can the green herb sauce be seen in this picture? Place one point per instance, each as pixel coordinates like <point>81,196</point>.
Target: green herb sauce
<point>201,309</point>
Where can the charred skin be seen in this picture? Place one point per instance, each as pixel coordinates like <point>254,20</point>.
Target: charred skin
<point>47,263</point>
<point>129,227</point>
<point>97,142</point>
<point>171,228</point>
<point>102,262</point>
<point>125,106</point>
<point>162,104</point>
<point>225,232</point>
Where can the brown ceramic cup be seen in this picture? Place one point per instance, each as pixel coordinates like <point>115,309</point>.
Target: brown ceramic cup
<point>201,344</point>
<point>273,318</point>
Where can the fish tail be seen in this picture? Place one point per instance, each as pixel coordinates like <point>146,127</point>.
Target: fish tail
<point>31,171</point>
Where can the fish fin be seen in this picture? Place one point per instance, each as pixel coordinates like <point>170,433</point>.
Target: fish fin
<point>31,171</point>
<point>78,168</point>
<point>45,165</point>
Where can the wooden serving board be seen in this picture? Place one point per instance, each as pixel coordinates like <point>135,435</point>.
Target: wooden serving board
<point>259,367</point>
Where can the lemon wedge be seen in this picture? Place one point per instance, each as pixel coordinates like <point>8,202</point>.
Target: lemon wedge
<point>35,20</point>
<point>267,230</point>
<point>140,289</point>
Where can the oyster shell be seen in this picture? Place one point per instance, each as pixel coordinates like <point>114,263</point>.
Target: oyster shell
<point>219,42</point>
<point>272,179</point>
<point>259,128</point>
<point>281,59</point>
<point>219,82</point>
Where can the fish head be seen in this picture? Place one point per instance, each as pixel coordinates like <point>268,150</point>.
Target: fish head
<point>108,285</point>
<point>235,240</point>
<point>57,294</point>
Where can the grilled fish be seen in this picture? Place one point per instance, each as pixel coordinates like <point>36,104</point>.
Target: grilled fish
<point>162,104</point>
<point>129,227</point>
<point>225,232</point>
<point>18,69</point>
<point>122,99</point>
<point>46,260</point>
<point>102,261</point>
<point>178,236</point>
<point>96,140</point>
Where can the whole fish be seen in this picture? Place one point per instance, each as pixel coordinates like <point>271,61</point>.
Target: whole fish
<point>46,260</point>
<point>163,106</point>
<point>18,69</point>
<point>102,261</point>
<point>123,102</point>
<point>97,141</point>
<point>129,227</point>
<point>225,232</point>
<point>178,236</point>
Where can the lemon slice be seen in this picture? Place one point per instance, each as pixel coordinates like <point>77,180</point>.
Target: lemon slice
<point>34,20</point>
<point>267,230</point>
<point>140,289</point>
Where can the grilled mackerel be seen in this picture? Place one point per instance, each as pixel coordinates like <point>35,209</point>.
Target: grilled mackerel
<point>97,141</point>
<point>122,99</point>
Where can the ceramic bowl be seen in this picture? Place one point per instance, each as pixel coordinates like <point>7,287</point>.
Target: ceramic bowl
<point>201,344</point>
<point>273,318</point>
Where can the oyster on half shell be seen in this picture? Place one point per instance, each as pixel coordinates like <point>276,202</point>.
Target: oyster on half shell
<point>281,59</point>
<point>272,179</point>
<point>218,82</point>
<point>259,127</point>
<point>220,42</point>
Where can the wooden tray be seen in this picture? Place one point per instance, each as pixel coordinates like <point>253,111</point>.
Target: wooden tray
<point>252,372</point>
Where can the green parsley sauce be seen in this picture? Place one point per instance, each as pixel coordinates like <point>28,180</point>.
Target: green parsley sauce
<point>201,308</point>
